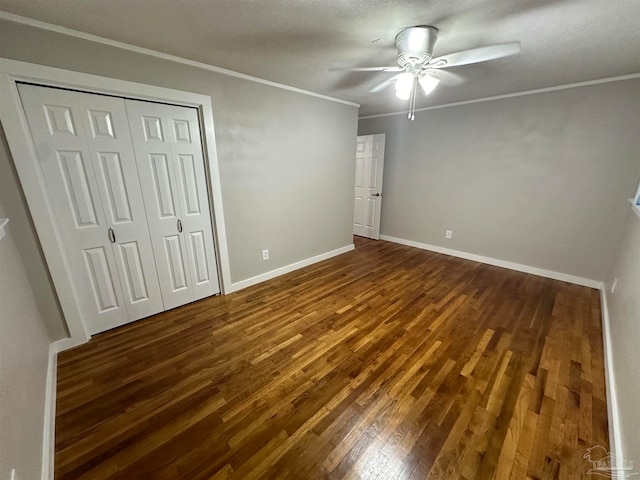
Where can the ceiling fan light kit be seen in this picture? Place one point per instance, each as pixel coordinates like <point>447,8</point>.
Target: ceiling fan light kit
<point>403,94</point>
<point>428,83</point>
<point>404,85</point>
<point>418,67</point>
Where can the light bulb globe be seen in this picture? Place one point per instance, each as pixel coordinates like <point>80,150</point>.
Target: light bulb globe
<point>428,83</point>
<point>403,94</point>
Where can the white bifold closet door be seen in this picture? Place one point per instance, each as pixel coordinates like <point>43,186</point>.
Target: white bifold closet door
<point>168,151</point>
<point>87,160</point>
<point>127,184</point>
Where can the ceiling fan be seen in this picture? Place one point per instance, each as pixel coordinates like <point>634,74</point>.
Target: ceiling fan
<point>417,67</point>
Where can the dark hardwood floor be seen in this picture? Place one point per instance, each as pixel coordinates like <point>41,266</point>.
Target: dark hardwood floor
<point>385,363</point>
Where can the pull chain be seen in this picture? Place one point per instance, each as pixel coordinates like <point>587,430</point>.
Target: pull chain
<point>412,99</point>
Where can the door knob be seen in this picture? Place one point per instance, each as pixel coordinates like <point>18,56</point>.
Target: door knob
<point>112,235</point>
<point>179,226</point>
<point>376,195</point>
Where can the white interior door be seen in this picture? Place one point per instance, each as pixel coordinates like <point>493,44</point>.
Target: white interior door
<point>193,199</point>
<point>111,149</point>
<point>85,152</point>
<point>367,202</point>
<point>172,175</point>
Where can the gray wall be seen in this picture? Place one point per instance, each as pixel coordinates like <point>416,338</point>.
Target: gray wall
<point>538,180</point>
<point>624,320</point>
<point>286,159</point>
<point>15,207</point>
<point>24,353</point>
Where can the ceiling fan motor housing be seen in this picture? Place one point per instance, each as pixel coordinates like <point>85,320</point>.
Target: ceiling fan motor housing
<point>415,45</point>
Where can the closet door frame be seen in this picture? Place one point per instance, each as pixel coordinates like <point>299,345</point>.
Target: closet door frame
<point>27,165</point>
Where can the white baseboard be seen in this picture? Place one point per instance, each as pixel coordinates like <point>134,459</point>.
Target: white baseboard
<point>67,343</point>
<point>586,282</point>
<point>288,268</point>
<point>49,431</point>
<point>613,413</point>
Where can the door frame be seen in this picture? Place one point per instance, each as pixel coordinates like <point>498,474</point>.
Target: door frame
<point>25,159</point>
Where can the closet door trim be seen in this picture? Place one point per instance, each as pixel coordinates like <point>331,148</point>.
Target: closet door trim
<point>27,165</point>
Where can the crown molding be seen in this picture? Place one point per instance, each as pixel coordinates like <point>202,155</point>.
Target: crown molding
<point>10,17</point>
<point>510,95</point>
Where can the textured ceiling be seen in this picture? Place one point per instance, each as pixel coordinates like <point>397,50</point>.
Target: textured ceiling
<point>306,43</point>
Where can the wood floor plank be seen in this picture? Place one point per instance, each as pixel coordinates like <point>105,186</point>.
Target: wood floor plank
<point>387,363</point>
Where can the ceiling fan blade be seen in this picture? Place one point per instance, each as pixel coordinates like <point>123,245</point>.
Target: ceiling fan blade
<point>447,77</point>
<point>476,55</point>
<point>382,85</point>
<point>376,69</point>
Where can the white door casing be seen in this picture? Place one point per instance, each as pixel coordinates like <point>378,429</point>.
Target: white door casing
<point>86,156</point>
<point>170,161</point>
<point>367,203</point>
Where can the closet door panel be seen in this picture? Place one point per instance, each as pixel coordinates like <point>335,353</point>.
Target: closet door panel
<point>118,197</point>
<point>55,121</point>
<point>160,192</point>
<point>175,259</point>
<point>167,141</point>
<point>102,281</point>
<point>193,198</point>
<point>109,140</point>
<point>198,246</point>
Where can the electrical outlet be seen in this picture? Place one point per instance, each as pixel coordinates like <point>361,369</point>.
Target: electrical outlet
<point>448,234</point>
<point>613,286</point>
<point>265,254</point>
